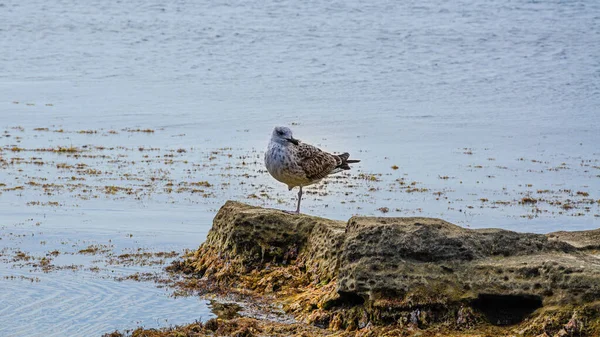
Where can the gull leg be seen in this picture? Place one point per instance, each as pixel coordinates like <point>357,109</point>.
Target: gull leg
<point>299,199</point>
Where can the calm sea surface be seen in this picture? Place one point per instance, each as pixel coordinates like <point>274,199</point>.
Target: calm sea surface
<point>478,103</point>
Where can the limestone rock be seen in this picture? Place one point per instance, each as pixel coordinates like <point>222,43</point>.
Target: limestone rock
<point>404,263</point>
<point>580,239</point>
<point>408,272</point>
<point>250,237</point>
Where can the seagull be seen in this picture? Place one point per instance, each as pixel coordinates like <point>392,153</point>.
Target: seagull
<point>294,163</point>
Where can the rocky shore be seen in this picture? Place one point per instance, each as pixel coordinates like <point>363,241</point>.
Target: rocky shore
<point>378,276</point>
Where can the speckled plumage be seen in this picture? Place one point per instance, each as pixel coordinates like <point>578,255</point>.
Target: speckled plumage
<point>298,164</point>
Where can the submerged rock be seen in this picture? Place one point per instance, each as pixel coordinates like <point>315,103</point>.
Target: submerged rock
<point>406,273</point>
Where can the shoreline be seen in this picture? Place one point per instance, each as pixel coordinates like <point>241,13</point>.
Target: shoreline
<point>314,271</point>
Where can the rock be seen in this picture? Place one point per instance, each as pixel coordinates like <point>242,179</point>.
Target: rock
<point>407,273</point>
<point>244,238</point>
<point>580,239</point>
<point>408,262</point>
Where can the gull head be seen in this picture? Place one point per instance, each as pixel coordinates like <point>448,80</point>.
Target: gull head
<point>283,136</point>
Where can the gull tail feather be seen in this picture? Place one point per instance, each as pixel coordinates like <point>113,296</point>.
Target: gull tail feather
<point>345,161</point>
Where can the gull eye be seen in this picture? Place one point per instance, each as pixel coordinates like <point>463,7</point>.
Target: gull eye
<point>280,133</point>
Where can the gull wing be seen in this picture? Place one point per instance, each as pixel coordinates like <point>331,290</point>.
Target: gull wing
<point>316,163</point>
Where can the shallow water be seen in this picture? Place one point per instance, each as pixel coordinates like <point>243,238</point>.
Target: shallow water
<point>479,104</point>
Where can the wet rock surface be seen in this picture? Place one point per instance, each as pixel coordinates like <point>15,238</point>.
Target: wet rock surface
<point>377,274</point>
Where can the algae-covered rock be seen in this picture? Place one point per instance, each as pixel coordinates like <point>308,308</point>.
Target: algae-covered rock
<point>245,238</point>
<point>406,273</point>
<point>580,239</point>
<point>400,264</point>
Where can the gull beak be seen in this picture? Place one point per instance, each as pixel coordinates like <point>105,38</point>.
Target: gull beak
<point>293,140</point>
